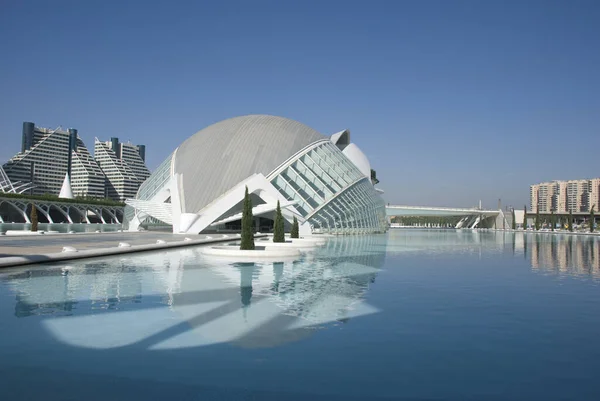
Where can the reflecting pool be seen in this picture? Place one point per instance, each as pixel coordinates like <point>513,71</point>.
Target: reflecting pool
<point>412,314</point>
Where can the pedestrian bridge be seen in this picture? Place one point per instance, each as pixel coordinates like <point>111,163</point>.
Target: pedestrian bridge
<point>472,217</point>
<point>18,210</point>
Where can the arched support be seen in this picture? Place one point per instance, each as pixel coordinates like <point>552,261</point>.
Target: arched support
<point>80,215</point>
<point>83,213</point>
<point>22,207</point>
<point>60,209</point>
<point>44,213</point>
<point>22,211</point>
<point>98,212</point>
<point>112,213</point>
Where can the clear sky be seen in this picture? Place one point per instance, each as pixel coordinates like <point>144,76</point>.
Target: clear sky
<point>452,101</point>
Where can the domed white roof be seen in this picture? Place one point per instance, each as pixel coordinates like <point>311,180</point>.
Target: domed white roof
<point>359,159</point>
<point>215,159</point>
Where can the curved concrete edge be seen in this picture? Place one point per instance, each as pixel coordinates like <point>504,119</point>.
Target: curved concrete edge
<point>320,240</point>
<point>234,253</point>
<point>287,244</point>
<point>316,241</point>
<point>19,233</point>
<point>12,261</point>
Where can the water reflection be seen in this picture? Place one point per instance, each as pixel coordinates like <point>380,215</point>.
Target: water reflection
<point>563,254</point>
<point>182,299</point>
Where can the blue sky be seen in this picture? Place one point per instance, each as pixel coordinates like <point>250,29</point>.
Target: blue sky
<point>452,101</point>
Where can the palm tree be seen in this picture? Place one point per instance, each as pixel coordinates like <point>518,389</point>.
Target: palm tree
<point>34,218</point>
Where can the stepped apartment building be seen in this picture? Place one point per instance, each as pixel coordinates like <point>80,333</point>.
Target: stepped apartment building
<point>47,155</point>
<point>575,196</point>
<point>123,165</point>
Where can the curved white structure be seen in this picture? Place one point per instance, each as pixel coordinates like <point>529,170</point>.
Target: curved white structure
<point>200,186</point>
<point>261,252</point>
<point>359,159</point>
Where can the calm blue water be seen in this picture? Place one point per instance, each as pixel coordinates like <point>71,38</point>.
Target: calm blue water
<point>415,314</point>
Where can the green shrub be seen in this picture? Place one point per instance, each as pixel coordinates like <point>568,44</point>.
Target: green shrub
<point>278,227</point>
<point>247,230</point>
<point>295,229</point>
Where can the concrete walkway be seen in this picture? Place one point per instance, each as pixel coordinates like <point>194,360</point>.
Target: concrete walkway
<point>16,251</point>
<point>42,244</point>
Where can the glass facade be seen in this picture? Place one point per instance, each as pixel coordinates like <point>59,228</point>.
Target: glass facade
<point>153,185</point>
<point>331,192</point>
<point>157,181</point>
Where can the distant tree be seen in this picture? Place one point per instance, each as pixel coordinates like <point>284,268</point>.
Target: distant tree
<point>34,218</point>
<point>524,217</point>
<point>552,220</point>
<point>278,226</point>
<point>570,221</point>
<point>537,219</point>
<point>247,243</point>
<point>592,219</point>
<point>514,220</point>
<point>295,230</point>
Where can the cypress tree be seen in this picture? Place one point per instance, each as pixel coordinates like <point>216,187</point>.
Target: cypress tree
<point>278,227</point>
<point>247,243</point>
<point>570,221</point>
<point>524,217</point>
<point>295,229</point>
<point>34,217</point>
<point>552,222</point>
<point>537,219</point>
<point>592,219</point>
<point>514,220</point>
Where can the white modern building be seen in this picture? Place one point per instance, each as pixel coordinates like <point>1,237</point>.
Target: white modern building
<point>324,181</point>
<point>123,165</point>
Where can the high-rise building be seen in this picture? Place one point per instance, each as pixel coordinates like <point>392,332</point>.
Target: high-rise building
<point>576,196</point>
<point>594,199</point>
<point>87,178</point>
<point>534,191</point>
<point>123,165</point>
<point>544,196</point>
<point>561,206</point>
<point>48,155</point>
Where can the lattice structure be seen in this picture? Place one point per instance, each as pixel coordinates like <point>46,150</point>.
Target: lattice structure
<point>6,186</point>
<point>67,212</point>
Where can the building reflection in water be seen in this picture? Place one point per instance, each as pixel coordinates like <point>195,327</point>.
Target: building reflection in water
<point>577,255</point>
<point>182,299</point>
